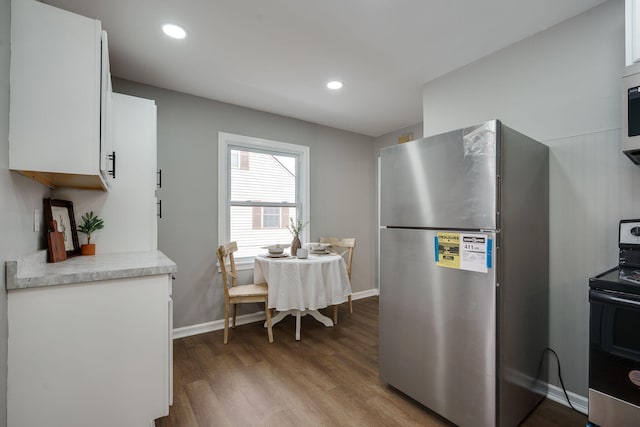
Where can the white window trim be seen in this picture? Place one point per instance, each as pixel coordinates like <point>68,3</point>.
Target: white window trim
<point>225,140</point>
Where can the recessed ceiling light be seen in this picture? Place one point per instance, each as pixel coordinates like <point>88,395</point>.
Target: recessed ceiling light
<point>334,85</point>
<point>174,31</point>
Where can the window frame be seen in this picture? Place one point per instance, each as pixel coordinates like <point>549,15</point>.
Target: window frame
<point>228,141</point>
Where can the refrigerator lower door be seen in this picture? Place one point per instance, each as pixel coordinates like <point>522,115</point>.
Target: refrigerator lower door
<point>437,329</point>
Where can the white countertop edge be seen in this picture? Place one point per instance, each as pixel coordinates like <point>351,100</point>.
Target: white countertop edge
<point>32,271</point>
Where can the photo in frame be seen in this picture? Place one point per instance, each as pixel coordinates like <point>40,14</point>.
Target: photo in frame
<point>62,212</point>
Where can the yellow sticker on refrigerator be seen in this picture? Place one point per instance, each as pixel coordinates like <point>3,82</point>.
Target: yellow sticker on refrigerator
<point>463,251</point>
<point>448,245</point>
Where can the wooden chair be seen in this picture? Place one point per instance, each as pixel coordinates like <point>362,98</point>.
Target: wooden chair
<point>343,247</point>
<point>236,294</point>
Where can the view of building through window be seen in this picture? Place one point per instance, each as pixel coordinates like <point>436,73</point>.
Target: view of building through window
<point>262,199</point>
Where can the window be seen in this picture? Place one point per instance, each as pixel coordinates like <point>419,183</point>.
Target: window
<point>239,160</point>
<point>235,160</point>
<point>262,184</point>
<point>271,217</point>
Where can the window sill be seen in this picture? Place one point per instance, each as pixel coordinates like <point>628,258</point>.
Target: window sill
<point>245,264</point>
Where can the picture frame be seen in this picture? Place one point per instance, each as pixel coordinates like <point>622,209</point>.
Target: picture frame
<point>62,212</point>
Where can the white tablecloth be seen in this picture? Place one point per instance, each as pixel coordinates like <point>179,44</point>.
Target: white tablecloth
<point>301,284</point>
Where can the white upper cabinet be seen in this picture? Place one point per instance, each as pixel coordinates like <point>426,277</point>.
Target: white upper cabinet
<point>59,88</point>
<point>131,200</point>
<point>632,31</point>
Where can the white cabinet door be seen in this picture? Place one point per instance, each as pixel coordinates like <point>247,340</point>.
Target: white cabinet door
<point>129,208</point>
<point>89,354</point>
<point>632,32</point>
<point>107,153</point>
<point>55,86</point>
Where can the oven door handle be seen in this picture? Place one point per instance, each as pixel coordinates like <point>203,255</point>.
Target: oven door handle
<point>607,298</point>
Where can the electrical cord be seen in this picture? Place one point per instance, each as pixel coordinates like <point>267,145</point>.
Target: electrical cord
<point>560,377</point>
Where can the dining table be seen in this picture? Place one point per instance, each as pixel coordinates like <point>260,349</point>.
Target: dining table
<point>301,286</point>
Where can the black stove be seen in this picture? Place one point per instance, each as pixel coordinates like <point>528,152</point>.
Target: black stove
<point>614,336</point>
<point>618,279</point>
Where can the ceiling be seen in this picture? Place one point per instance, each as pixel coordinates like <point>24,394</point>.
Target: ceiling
<point>277,55</point>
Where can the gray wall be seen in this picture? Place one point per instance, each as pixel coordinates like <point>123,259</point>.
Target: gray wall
<point>563,81</point>
<point>19,197</point>
<point>342,202</point>
<point>562,87</point>
<point>391,138</point>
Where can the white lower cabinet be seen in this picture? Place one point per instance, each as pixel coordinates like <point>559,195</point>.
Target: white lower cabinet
<point>90,354</point>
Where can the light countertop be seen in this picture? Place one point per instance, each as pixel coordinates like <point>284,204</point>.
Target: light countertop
<point>33,270</point>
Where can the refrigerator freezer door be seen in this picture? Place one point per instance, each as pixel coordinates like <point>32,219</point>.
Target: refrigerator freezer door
<point>446,181</point>
<point>437,329</point>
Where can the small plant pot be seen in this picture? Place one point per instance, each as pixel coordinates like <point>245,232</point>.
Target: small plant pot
<point>89,249</point>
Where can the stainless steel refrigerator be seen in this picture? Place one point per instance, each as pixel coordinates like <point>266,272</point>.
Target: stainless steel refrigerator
<point>464,273</point>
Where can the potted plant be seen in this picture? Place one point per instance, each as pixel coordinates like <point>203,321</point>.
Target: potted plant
<point>90,223</point>
<point>295,227</point>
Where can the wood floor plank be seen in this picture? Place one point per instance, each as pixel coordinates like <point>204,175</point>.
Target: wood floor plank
<point>391,410</point>
<point>329,378</point>
<point>207,408</point>
<point>181,415</point>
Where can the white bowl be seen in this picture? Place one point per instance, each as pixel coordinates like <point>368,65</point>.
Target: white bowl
<point>277,249</point>
<point>318,247</point>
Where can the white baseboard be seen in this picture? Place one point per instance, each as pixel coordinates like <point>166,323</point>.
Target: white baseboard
<point>216,325</point>
<point>556,394</point>
<point>365,294</point>
<point>244,319</point>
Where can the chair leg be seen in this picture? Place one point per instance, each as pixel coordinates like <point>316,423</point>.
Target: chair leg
<point>226,321</point>
<point>350,305</point>
<point>267,311</point>
<point>335,314</point>
<point>234,315</point>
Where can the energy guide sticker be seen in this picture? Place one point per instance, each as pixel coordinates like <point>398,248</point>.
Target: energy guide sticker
<point>448,250</point>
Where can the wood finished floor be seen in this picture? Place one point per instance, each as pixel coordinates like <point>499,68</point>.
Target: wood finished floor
<point>329,378</point>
